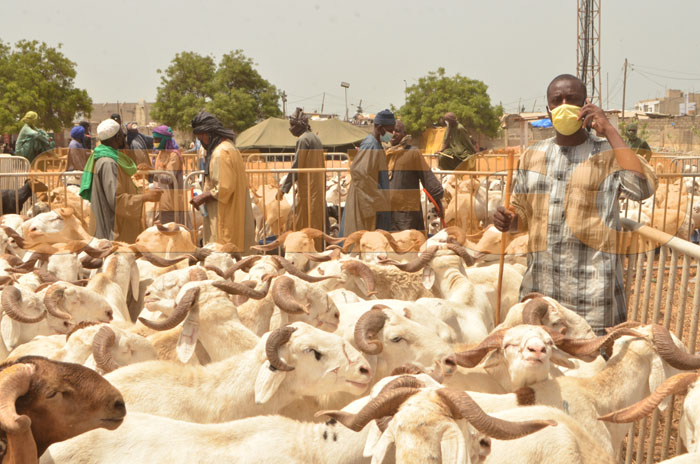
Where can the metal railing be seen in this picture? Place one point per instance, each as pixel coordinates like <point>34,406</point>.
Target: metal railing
<point>662,286</point>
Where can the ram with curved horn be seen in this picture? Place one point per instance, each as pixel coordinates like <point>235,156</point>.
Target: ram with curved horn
<point>178,315</point>
<point>12,306</point>
<point>373,246</point>
<point>102,345</point>
<point>72,304</point>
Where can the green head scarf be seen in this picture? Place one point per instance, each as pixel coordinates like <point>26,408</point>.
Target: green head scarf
<point>102,151</point>
<point>31,118</point>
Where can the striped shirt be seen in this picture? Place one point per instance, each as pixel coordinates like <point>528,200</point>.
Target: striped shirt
<point>567,199</point>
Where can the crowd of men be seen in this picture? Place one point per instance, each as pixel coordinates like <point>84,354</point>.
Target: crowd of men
<point>564,193</point>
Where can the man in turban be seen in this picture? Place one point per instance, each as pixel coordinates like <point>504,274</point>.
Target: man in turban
<point>457,147</point>
<point>171,207</point>
<point>32,141</point>
<point>311,187</point>
<point>139,144</point>
<point>229,212</point>
<point>77,154</point>
<point>106,183</point>
<point>367,204</point>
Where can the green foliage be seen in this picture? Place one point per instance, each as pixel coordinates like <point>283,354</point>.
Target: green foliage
<point>36,77</point>
<point>436,94</point>
<point>233,91</point>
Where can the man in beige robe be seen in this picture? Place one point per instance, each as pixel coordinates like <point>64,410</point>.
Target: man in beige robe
<point>229,214</point>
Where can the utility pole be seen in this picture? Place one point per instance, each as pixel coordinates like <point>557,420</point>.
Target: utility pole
<point>284,103</point>
<point>588,48</point>
<point>607,90</point>
<point>624,90</point>
<point>323,101</point>
<point>345,85</point>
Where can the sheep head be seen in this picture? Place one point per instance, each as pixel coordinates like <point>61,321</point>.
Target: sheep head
<point>310,362</point>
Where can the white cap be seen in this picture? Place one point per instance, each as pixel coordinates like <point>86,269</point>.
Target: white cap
<point>107,129</point>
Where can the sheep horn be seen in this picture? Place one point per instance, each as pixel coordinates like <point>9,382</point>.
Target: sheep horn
<point>404,381</point>
<point>417,264</point>
<point>244,265</point>
<point>51,300</point>
<point>587,346</point>
<point>456,235</point>
<point>183,307</point>
<point>235,288</point>
<point>462,406</point>
<point>215,270</point>
<point>12,260</point>
<point>293,270</point>
<point>409,369</point>
<point>366,329</point>
<point>276,339</point>
<point>197,273</point>
<point>102,344</point>
<point>141,252</point>
<point>471,358</point>
<point>283,294</point>
<point>31,262</point>
<point>200,254</point>
<point>12,233</point>
<point>530,296</point>
<point>385,404</point>
<point>98,253</point>
<point>45,276</point>
<point>279,241</point>
<point>7,279</point>
<point>11,304</point>
<point>626,325</point>
<point>535,310</point>
<point>17,270</point>
<point>392,242</point>
<point>670,353</point>
<point>671,386</point>
<point>15,381</point>
<point>462,252</point>
<point>170,230</point>
<point>88,262</point>
<point>351,239</point>
<point>315,233</point>
<point>361,270</point>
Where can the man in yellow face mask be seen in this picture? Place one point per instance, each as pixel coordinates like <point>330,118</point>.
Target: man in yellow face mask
<point>565,195</point>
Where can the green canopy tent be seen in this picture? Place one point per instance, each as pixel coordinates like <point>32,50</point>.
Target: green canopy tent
<point>272,135</point>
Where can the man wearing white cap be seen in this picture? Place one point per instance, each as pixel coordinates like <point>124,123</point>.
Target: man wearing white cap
<point>106,183</point>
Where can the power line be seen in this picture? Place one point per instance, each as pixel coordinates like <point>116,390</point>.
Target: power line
<point>667,70</point>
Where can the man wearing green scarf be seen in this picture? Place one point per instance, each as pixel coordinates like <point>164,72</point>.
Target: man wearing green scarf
<point>115,201</point>
<point>31,141</point>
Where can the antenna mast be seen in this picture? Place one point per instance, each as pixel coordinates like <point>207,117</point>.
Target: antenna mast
<point>588,48</point>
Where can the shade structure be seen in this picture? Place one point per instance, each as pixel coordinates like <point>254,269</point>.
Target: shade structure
<point>273,134</point>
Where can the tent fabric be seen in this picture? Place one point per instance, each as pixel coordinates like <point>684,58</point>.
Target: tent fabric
<point>273,133</point>
<point>543,123</point>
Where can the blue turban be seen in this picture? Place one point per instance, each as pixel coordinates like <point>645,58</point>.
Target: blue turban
<point>77,133</point>
<point>384,118</point>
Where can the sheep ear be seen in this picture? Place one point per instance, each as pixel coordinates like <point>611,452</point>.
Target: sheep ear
<point>135,281</point>
<point>452,446</point>
<point>561,359</point>
<point>373,437</point>
<point>380,449</point>
<point>428,277</point>
<point>267,383</point>
<point>660,371</point>
<point>10,330</point>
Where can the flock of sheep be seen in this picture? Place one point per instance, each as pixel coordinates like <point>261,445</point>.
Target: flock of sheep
<point>382,350</point>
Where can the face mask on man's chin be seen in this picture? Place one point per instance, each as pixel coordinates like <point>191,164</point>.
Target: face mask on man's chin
<point>387,136</point>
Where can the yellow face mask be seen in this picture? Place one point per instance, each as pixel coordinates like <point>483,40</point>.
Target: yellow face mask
<point>565,119</point>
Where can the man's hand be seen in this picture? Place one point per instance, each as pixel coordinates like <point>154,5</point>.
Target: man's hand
<point>152,195</point>
<point>595,118</point>
<point>279,195</point>
<point>502,218</point>
<point>200,199</point>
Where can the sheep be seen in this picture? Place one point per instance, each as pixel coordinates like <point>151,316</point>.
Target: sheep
<point>519,357</point>
<point>296,243</point>
<point>254,440</point>
<point>394,340</point>
<point>54,401</point>
<point>58,226</point>
<point>13,200</point>
<point>373,246</point>
<point>567,441</point>
<point>689,426</point>
<point>425,424</point>
<point>410,240</point>
<point>637,366</point>
<point>205,303</point>
<point>291,361</point>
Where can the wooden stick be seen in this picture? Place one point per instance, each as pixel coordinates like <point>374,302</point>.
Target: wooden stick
<point>501,263</point>
<point>194,221</point>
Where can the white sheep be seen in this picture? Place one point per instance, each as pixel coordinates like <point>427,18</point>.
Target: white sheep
<point>289,362</point>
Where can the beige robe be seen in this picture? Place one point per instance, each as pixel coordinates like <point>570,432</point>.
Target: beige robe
<point>172,206</point>
<point>230,217</point>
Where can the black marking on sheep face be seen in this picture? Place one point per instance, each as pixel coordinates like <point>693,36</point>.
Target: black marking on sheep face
<point>335,436</point>
<point>331,422</point>
<point>325,435</point>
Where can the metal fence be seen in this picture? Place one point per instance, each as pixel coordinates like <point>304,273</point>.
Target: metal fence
<point>662,286</point>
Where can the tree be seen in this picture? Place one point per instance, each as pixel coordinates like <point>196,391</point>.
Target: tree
<point>436,94</point>
<point>233,91</point>
<point>36,77</point>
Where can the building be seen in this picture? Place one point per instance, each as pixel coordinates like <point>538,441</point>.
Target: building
<point>675,103</point>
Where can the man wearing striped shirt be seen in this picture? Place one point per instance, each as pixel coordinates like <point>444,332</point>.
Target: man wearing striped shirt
<point>565,195</point>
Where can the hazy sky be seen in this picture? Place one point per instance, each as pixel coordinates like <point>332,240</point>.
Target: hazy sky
<point>309,47</point>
